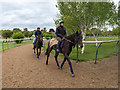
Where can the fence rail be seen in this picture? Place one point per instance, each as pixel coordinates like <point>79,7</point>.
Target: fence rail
<point>101,41</point>
<point>108,41</point>
<point>12,44</point>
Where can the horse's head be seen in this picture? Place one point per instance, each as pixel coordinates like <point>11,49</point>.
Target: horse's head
<point>78,39</point>
<point>40,38</point>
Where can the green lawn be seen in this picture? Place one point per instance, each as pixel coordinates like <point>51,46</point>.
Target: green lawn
<point>105,50</point>
<point>101,38</point>
<point>12,45</point>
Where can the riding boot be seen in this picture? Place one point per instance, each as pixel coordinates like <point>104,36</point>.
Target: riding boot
<point>58,46</point>
<point>34,44</point>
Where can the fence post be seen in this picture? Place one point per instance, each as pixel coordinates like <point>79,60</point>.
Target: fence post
<point>7,45</point>
<point>97,52</point>
<point>77,53</point>
<point>116,47</point>
<point>44,46</point>
<point>14,43</point>
<point>2,47</point>
<point>24,41</point>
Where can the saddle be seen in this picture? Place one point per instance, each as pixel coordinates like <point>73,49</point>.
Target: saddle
<point>53,41</point>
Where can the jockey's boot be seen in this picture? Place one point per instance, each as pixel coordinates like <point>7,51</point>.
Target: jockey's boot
<point>58,47</point>
<point>34,45</point>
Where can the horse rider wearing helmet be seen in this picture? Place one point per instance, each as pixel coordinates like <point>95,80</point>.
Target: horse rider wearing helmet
<point>37,33</point>
<point>60,32</point>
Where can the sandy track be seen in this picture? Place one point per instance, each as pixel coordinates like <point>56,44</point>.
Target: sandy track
<point>21,69</point>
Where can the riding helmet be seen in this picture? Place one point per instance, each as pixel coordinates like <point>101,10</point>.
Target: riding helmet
<point>38,27</point>
<point>61,21</point>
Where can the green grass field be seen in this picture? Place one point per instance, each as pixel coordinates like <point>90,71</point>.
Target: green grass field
<point>105,50</point>
<point>12,45</point>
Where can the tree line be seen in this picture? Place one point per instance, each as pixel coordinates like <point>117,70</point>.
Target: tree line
<point>16,33</point>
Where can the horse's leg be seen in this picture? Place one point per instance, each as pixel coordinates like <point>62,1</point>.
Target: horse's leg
<point>63,62</point>
<point>34,50</point>
<point>48,54</point>
<point>37,54</point>
<point>40,51</point>
<point>70,64</point>
<point>56,55</point>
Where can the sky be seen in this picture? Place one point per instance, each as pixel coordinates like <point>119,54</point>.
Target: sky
<point>29,14</point>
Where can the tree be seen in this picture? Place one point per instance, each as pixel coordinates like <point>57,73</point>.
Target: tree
<point>7,33</point>
<point>44,30</point>
<point>26,32</point>
<point>15,30</point>
<point>115,31</point>
<point>30,33</point>
<point>18,35</point>
<point>80,16</point>
<point>25,29</point>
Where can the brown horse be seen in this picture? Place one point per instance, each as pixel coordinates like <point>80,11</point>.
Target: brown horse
<point>67,44</point>
<point>38,45</point>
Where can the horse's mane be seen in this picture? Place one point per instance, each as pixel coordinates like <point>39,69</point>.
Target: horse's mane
<point>71,36</point>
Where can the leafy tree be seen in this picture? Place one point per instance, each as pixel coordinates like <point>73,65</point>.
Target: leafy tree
<point>80,16</point>
<point>115,31</point>
<point>44,30</point>
<point>25,29</point>
<point>26,33</point>
<point>15,30</point>
<point>7,33</point>
<point>30,34</point>
<point>18,35</point>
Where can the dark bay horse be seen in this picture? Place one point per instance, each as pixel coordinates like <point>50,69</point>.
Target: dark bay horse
<point>66,49</point>
<point>38,45</point>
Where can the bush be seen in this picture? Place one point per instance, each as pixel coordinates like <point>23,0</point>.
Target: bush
<point>47,36</point>
<point>18,35</point>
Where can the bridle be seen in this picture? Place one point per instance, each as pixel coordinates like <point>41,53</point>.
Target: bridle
<point>68,40</point>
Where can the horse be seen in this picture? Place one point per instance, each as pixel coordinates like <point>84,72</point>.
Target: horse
<point>67,44</point>
<point>38,45</point>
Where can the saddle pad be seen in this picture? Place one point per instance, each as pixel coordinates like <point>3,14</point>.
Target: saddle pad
<point>53,42</point>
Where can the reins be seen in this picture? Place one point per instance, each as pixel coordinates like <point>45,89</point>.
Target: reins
<point>67,40</point>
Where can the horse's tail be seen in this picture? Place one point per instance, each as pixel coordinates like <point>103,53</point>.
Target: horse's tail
<point>46,53</point>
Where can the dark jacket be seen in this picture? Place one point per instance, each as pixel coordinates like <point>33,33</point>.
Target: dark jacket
<point>60,31</point>
<point>38,33</point>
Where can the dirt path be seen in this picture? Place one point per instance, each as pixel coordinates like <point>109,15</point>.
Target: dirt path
<point>21,69</point>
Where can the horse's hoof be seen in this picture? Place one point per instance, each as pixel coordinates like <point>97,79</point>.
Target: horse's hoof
<point>46,63</point>
<point>58,67</point>
<point>73,75</point>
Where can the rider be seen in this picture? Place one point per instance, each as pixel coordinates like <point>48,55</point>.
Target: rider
<point>60,32</point>
<point>38,32</point>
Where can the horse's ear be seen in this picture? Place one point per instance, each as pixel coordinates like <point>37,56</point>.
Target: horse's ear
<point>77,32</point>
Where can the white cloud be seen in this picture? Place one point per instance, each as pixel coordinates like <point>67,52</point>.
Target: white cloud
<point>28,14</point>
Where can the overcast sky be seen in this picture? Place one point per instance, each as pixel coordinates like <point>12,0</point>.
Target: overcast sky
<point>32,14</point>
